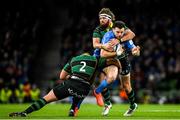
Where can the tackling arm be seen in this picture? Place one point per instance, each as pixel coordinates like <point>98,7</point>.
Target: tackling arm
<point>97,44</point>
<point>107,54</point>
<point>128,35</point>
<point>64,75</point>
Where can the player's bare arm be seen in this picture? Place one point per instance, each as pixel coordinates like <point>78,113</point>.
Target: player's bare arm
<point>97,44</point>
<point>108,54</point>
<point>128,35</point>
<point>64,75</point>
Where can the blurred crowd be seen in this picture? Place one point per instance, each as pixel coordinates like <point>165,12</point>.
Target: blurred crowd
<point>18,44</point>
<point>155,74</point>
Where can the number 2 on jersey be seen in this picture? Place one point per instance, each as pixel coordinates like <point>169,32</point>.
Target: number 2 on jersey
<point>82,68</point>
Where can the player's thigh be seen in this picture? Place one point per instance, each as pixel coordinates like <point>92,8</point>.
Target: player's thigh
<point>102,76</point>
<point>111,71</point>
<point>113,61</point>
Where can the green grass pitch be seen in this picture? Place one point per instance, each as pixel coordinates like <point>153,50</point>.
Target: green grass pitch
<point>91,111</point>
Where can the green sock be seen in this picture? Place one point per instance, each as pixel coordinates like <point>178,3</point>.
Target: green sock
<point>131,97</point>
<point>36,106</point>
<point>107,97</point>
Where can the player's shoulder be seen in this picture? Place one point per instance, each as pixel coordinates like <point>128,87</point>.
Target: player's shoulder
<point>98,29</point>
<point>84,57</point>
<point>73,59</point>
<point>108,34</point>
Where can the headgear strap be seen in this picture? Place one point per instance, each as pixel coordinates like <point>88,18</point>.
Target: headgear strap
<point>106,16</point>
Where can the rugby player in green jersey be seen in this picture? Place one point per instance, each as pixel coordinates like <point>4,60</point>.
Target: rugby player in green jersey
<point>106,19</point>
<point>82,69</point>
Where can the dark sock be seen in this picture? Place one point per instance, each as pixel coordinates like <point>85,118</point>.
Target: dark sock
<point>107,97</point>
<point>76,103</point>
<point>36,106</point>
<point>73,106</point>
<point>131,97</point>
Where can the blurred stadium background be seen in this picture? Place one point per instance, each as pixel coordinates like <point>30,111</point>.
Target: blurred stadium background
<point>37,37</point>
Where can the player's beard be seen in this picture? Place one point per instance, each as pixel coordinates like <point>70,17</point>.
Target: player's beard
<point>105,25</point>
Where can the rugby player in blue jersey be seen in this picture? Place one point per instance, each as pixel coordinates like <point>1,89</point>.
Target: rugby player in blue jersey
<point>122,51</point>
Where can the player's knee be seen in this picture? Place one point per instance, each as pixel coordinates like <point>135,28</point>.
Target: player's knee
<point>50,97</point>
<point>110,78</point>
<point>126,86</point>
<point>112,75</point>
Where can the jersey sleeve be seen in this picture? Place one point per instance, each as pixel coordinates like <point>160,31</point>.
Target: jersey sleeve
<point>67,67</point>
<point>96,34</point>
<point>129,45</point>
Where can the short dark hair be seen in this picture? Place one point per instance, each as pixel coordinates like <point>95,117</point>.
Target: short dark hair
<point>108,12</point>
<point>86,50</point>
<point>119,24</point>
